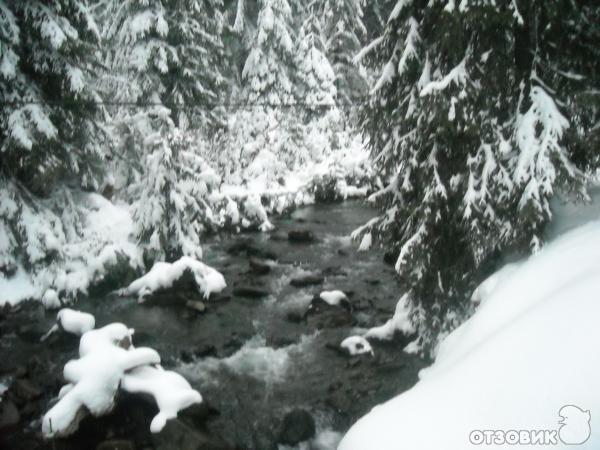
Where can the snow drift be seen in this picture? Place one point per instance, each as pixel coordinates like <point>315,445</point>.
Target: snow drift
<point>530,349</point>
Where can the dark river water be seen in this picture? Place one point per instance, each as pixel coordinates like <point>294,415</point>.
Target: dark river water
<point>252,358</point>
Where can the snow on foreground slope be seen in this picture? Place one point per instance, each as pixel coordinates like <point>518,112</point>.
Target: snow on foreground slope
<point>531,348</point>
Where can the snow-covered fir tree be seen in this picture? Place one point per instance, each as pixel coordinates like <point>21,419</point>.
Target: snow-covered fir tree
<point>316,75</point>
<point>199,79</point>
<point>52,137</point>
<point>468,129</point>
<point>49,127</point>
<point>266,74</point>
<point>172,209</point>
<point>345,34</point>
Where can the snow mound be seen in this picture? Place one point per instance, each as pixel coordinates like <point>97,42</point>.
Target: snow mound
<point>75,322</point>
<point>109,361</point>
<point>334,298</point>
<point>71,321</point>
<point>163,275</point>
<point>357,345</point>
<point>529,350</point>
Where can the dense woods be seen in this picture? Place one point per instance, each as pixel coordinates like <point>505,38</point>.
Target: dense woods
<point>475,113</point>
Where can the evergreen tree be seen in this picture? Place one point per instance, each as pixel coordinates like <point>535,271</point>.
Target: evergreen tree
<point>49,115</point>
<point>200,75</point>
<point>168,57</point>
<point>314,70</point>
<point>465,125</point>
<point>172,211</point>
<point>266,73</point>
<point>345,32</point>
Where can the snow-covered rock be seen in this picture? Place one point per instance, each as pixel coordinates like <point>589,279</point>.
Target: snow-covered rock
<point>93,379</point>
<point>50,299</point>
<point>530,349</point>
<point>356,345</point>
<point>75,322</point>
<point>163,275</point>
<point>71,321</point>
<point>334,298</point>
<point>170,390</point>
<point>109,361</point>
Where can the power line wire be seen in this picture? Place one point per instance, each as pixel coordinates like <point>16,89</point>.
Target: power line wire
<point>356,102</point>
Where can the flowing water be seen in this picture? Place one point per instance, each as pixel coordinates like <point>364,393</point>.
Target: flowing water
<point>252,359</point>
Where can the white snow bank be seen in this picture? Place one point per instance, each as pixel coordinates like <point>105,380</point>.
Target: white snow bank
<point>108,361</point>
<point>400,322</point>
<point>530,349</point>
<point>163,275</point>
<point>357,345</point>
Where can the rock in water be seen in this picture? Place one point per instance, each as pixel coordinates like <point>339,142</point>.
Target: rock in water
<point>250,292</point>
<point>196,305</point>
<point>177,435</point>
<point>259,267</point>
<point>301,236</point>
<point>298,426</point>
<point>116,444</point>
<point>307,280</point>
<point>390,257</point>
<point>9,415</point>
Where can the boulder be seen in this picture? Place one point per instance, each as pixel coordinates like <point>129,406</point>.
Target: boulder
<point>297,426</point>
<point>390,257</point>
<point>250,249</point>
<point>9,415</point>
<point>322,315</point>
<point>116,444</point>
<point>259,267</point>
<point>301,236</point>
<point>250,292</point>
<point>177,435</point>
<point>196,305</point>
<point>310,279</point>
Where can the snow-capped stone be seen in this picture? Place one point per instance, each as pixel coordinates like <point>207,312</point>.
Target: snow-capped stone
<point>357,345</point>
<point>75,322</point>
<point>109,361</point>
<point>170,390</point>
<point>334,298</point>
<point>163,275</point>
<point>50,299</point>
